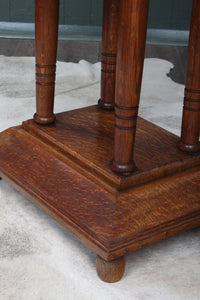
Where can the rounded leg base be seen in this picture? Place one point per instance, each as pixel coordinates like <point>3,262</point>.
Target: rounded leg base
<point>124,169</point>
<point>44,120</point>
<point>189,148</point>
<point>106,105</point>
<point>110,271</point>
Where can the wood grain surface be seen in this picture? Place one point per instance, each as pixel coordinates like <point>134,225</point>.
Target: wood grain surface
<point>111,221</point>
<point>130,60</point>
<point>191,111</point>
<point>109,53</point>
<point>79,168</point>
<point>86,136</point>
<point>110,271</point>
<point>46,37</point>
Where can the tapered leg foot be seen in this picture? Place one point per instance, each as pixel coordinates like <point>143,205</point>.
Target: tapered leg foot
<point>110,271</point>
<point>189,148</point>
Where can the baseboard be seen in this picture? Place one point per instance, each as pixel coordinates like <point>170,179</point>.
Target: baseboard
<point>92,33</point>
<point>84,42</point>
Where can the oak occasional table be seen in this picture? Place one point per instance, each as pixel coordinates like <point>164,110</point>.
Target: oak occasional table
<point>115,188</point>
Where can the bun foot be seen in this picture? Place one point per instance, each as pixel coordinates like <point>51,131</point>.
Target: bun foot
<point>44,120</point>
<point>189,148</point>
<point>110,271</point>
<point>106,105</point>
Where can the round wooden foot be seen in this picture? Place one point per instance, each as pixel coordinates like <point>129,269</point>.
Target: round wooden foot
<point>106,105</point>
<point>123,169</point>
<point>44,120</point>
<point>189,148</point>
<point>110,271</point>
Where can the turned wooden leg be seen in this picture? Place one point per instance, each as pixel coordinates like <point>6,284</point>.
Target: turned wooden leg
<point>46,36</point>
<point>110,271</point>
<point>191,110</point>
<point>109,53</point>
<point>130,59</point>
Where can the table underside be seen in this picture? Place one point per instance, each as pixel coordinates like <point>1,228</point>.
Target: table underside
<point>64,168</point>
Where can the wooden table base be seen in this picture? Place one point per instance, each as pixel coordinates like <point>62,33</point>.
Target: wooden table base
<point>64,168</point>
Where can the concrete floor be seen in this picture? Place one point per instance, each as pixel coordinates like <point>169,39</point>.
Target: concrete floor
<point>39,259</point>
<point>75,50</point>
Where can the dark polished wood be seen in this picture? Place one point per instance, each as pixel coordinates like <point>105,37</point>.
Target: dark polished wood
<point>46,36</point>
<point>109,53</point>
<point>130,59</point>
<point>89,141</point>
<point>112,217</point>
<point>65,166</point>
<point>191,110</point>
<point>110,271</point>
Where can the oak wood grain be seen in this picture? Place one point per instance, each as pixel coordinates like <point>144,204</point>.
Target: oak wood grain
<point>67,167</point>
<point>130,59</point>
<point>110,271</point>
<point>86,135</point>
<point>111,221</point>
<point>191,111</point>
<point>109,53</point>
<point>46,36</point>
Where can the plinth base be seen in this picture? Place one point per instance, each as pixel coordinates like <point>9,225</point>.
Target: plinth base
<point>64,168</point>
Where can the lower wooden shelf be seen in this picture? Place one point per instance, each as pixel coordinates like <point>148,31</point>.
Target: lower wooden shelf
<point>65,169</point>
